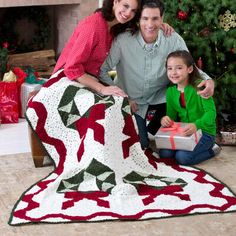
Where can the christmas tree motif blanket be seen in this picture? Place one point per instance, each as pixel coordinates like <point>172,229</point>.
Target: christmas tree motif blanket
<point>101,173</point>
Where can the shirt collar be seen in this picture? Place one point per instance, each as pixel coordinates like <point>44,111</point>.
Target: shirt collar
<point>143,43</point>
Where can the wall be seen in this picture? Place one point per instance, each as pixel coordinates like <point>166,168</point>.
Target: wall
<point>67,18</point>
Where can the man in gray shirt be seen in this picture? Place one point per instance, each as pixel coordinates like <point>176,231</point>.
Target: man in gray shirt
<point>140,60</point>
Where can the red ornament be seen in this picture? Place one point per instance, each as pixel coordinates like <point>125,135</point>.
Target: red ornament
<point>182,15</point>
<point>232,50</point>
<point>150,115</point>
<point>5,45</point>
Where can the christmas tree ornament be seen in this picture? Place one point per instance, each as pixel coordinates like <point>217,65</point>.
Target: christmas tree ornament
<point>182,15</point>
<point>205,32</point>
<point>227,20</point>
<point>199,63</point>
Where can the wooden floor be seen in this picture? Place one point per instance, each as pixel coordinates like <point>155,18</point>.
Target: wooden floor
<point>18,174</point>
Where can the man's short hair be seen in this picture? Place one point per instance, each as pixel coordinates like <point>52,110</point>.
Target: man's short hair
<point>153,4</point>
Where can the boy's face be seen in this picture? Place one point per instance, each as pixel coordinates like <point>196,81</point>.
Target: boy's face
<point>150,23</point>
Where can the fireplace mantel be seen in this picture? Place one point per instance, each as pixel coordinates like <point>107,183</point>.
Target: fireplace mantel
<point>18,3</point>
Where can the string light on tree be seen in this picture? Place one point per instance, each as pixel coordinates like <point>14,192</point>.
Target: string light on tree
<point>217,57</point>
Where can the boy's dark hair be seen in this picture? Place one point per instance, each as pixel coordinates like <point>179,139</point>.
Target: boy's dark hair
<point>153,4</point>
<point>189,61</point>
<point>107,12</point>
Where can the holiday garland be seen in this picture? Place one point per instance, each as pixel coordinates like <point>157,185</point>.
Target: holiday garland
<point>37,15</point>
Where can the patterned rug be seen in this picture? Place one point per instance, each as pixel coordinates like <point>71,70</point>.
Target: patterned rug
<point>101,172</point>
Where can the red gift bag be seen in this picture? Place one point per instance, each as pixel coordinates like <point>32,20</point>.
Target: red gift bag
<point>8,102</point>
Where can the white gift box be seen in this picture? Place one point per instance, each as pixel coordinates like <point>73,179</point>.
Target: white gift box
<point>26,89</point>
<point>171,138</point>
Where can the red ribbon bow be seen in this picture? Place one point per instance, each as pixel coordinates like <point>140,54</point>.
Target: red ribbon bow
<point>173,129</point>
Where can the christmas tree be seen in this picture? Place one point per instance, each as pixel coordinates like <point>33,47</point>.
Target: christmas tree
<point>209,30</point>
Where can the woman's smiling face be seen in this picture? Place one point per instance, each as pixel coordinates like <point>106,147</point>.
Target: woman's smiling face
<point>125,10</point>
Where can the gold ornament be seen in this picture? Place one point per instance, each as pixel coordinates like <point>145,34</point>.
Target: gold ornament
<point>227,20</point>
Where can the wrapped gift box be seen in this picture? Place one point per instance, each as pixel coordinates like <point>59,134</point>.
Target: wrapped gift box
<point>26,89</point>
<point>171,138</point>
<point>9,101</point>
<point>228,138</point>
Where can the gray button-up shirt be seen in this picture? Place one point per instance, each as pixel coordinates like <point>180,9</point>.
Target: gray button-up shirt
<point>140,67</point>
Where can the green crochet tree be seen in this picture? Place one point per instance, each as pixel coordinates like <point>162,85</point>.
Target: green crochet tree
<point>209,29</point>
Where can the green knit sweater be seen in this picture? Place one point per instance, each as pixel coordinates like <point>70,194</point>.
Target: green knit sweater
<point>200,111</point>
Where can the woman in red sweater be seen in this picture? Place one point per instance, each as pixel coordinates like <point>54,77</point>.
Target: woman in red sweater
<point>90,43</point>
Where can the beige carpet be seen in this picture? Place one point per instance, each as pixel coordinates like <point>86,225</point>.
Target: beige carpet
<point>18,173</point>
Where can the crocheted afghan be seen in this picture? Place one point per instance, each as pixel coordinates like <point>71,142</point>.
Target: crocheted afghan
<point>101,173</point>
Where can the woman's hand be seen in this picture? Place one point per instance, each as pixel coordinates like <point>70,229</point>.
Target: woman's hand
<point>208,91</point>
<point>112,90</point>
<point>93,83</point>
<point>167,29</point>
<point>189,129</point>
<point>166,121</point>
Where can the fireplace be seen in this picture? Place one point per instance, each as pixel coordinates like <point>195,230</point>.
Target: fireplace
<point>64,16</point>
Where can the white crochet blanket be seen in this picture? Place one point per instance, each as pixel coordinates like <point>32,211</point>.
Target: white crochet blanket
<point>101,172</point>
